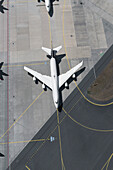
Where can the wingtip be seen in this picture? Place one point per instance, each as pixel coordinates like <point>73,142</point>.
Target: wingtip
<point>60,47</point>
<point>25,67</point>
<point>81,62</point>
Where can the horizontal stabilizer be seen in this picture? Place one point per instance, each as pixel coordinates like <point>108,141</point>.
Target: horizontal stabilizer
<point>47,50</point>
<point>57,49</point>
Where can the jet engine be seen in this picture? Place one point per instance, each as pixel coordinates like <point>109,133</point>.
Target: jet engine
<point>66,85</point>
<point>35,80</point>
<point>43,86</point>
<point>73,76</point>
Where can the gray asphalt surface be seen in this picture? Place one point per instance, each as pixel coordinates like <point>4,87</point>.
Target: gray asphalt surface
<point>84,145</point>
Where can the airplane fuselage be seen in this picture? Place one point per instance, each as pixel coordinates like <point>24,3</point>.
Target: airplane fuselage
<point>55,83</point>
<point>48,5</point>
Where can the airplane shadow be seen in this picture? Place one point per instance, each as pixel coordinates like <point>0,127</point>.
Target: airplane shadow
<point>2,8</point>
<point>63,87</point>
<point>52,10</point>
<point>1,72</point>
<point>1,155</point>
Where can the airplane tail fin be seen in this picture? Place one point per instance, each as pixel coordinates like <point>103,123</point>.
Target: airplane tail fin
<point>49,51</point>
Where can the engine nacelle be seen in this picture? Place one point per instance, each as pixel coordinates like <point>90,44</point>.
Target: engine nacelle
<point>66,85</point>
<point>34,78</point>
<point>43,86</point>
<point>73,76</point>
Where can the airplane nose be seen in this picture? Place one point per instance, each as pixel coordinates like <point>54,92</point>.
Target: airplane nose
<point>56,105</point>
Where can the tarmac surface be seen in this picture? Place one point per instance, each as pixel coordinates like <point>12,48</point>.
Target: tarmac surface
<point>85,132</point>
<point>85,31</point>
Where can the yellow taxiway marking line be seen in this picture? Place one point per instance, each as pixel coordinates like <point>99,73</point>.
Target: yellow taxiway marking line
<point>27,167</point>
<point>62,162</point>
<point>45,140</point>
<point>25,65</point>
<point>75,104</point>
<point>26,141</point>
<point>107,162</point>
<point>39,147</point>
<point>93,129</point>
<point>56,126</point>
<point>96,104</point>
<point>20,116</point>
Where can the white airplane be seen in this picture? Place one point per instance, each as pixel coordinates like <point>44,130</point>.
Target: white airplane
<point>48,4</point>
<point>54,82</point>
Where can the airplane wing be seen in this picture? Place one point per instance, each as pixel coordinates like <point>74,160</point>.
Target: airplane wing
<point>43,78</point>
<point>57,48</point>
<point>64,77</point>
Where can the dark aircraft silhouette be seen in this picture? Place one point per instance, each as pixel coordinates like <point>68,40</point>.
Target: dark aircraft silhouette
<point>2,8</point>
<point>1,72</point>
<point>1,155</point>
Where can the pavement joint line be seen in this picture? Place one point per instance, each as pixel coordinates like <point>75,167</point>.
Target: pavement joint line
<point>21,115</point>
<point>61,156</point>
<point>39,147</point>
<point>98,7</point>
<point>64,116</point>
<point>44,141</point>
<point>50,31</point>
<point>19,2</point>
<point>96,104</point>
<point>75,104</point>
<point>63,167</point>
<point>64,36</point>
<point>107,162</point>
<point>24,65</point>
<point>8,55</point>
<point>86,127</point>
